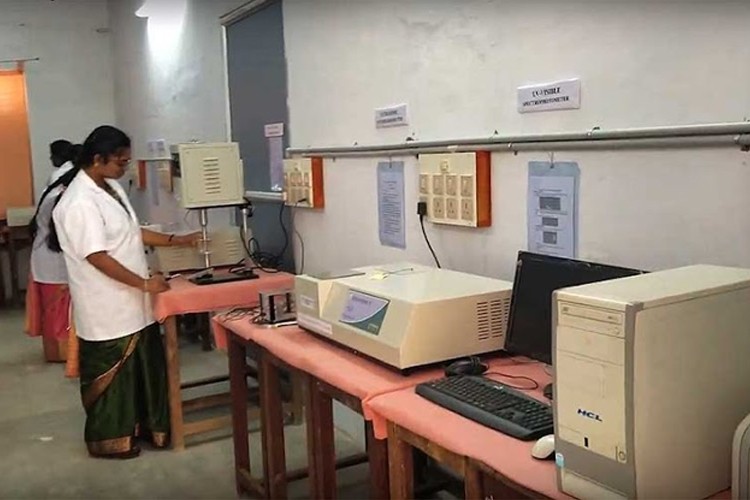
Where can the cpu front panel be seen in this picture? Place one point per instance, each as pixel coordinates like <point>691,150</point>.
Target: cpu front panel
<point>591,416</point>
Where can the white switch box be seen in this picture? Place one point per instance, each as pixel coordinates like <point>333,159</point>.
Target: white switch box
<point>457,188</point>
<point>303,182</point>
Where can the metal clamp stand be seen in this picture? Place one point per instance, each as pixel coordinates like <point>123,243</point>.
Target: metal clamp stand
<point>207,276</point>
<point>204,238</point>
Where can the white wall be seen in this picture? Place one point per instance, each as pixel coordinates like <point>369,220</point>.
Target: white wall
<point>170,82</point>
<point>70,89</point>
<point>458,64</point>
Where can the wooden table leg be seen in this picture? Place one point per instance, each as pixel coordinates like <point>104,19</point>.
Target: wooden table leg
<point>320,441</point>
<point>173,379</point>
<point>377,452</point>
<point>298,398</point>
<point>473,483</point>
<point>238,390</point>
<point>400,466</point>
<point>272,428</point>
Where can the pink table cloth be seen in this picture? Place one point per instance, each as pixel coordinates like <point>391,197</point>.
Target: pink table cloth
<point>389,396</point>
<point>508,456</point>
<point>325,361</point>
<point>185,297</point>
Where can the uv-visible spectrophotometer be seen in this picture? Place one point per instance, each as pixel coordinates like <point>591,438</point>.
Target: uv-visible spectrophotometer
<point>406,315</point>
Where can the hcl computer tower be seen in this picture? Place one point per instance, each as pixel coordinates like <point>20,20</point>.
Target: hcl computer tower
<point>652,377</point>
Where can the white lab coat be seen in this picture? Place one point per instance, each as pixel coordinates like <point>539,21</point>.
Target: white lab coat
<point>59,172</point>
<point>47,266</point>
<point>89,220</point>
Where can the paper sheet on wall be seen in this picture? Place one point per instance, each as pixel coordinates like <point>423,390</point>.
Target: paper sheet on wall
<point>276,162</point>
<point>552,211</point>
<point>391,204</point>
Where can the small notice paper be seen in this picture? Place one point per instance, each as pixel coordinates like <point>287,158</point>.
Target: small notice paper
<point>565,94</point>
<point>274,133</point>
<point>391,204</point>
<point>392,116</point>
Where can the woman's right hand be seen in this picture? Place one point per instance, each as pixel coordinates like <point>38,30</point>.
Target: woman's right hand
<point>156,284</point>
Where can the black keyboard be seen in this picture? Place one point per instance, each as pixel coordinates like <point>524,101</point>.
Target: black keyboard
<point>492,404</point>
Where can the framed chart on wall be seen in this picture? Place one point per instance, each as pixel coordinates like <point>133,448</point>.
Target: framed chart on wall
<point>552,208</point>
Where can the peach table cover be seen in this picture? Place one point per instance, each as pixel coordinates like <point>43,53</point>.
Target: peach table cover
<point>507,455</point>
<point>353,374</point>
<point>387,395</point>
<point>186,297</point>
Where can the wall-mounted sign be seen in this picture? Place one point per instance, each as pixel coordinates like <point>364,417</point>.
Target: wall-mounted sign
<point>393,116</point>
<point>274,130</point>
<point>565,94</point>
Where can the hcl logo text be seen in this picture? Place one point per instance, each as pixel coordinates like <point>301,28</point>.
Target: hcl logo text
<point>589,414</point>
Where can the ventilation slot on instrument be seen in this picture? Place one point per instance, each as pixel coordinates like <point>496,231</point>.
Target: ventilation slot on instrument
<point>484,323</point>
<point>211,176</point>
<point>235,248</point>
<point>499,312</point>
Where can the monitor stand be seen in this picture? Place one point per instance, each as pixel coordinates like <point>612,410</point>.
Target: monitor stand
<point>548,391</point>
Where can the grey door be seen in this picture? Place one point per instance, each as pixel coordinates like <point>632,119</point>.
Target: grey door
<point>257,96</point>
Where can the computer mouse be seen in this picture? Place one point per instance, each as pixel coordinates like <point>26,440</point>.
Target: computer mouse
<point>471,366</point>
<point>544,448</point>
<point>549,392</point>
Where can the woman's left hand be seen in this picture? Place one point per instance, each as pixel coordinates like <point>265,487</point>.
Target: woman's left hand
<point>186,240</point>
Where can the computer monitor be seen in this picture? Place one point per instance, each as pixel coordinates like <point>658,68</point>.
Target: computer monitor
<point>537,276</point>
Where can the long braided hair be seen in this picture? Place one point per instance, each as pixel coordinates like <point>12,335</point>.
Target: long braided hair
<point>69,153</point>
<point>105,141</point>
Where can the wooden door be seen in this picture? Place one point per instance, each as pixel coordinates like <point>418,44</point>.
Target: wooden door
<point>16,184</point>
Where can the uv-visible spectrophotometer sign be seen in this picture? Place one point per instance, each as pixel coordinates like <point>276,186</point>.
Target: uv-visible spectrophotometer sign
<point>364,312</point>
<point>392,116</point>
<point>564,94</point>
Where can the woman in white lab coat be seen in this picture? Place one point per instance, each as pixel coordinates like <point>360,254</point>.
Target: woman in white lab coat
<point>47,295</point>
<point>62,155</point>
<point>122,366</point>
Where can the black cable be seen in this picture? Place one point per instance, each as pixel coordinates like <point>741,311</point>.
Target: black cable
<point>516,377</point>
<point>259,259</point>
<point>283,229</point>
<point>266,261</point>
<point>302,249</point>
<point>427,240</point>
<point>299,236</point>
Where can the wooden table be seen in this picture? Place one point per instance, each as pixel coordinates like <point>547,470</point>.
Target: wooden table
<point>186,298</point>
<point>492,464</point>
<point>18,238</point>
<point>327,372</point>
<point>4,237</point>
<point>13,238</point>
<point>272,412</point>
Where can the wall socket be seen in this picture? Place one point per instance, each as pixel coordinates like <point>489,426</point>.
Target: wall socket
<point>451,208</point>
<point>438,208</point>
<point>457,188</point>
<point>303,182</point>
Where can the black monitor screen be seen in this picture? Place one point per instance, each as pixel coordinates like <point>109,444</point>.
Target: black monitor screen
<point>537,276</point>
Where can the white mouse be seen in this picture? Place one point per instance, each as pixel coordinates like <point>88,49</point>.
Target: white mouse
<point>544,448</point>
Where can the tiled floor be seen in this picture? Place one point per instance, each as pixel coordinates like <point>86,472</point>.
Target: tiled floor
<point>43,454</point>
